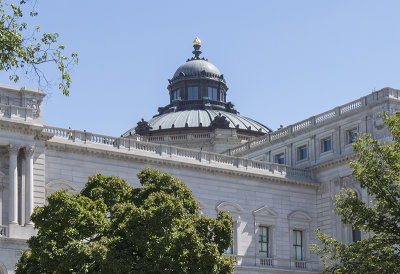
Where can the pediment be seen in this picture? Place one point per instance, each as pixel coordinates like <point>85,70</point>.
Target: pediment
<point>265,212</point>
<point>230,207</point>
<point>299,216</point>
<point>56,185</point>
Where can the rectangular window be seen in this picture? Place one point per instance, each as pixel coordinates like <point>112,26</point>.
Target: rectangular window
<point>263,232</point>
<point>326,144</point>
<point>280,159</point>
<point>176,94</point>
<point>229,250</point>
<point>351,135</point>
<point>356,234</point>
<point>212,93</point>
<point>193,93</point>
<point>297,245</point>
<point>302,153</point>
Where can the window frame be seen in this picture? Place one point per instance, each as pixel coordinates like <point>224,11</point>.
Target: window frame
<point>323,144</point>
<point>267,253</point>
<point>295,244</point>
<point>299,151</point>
<point>176,94</point>
<point>351,135</point>
<point>279,156</point>
<point>190,92</point>
<point>213,89</point>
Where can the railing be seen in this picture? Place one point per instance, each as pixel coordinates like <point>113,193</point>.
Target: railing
<point>300,264</point>
<point>136,143</point>
<point>298,127</point>
<point>3,231</point>
<point>266,261</point>
<point>178,138</point>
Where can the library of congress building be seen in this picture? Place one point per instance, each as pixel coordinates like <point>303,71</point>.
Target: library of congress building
<point>279,186</point>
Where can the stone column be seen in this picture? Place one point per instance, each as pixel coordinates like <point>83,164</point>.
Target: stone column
<point>29,184</point>
<point>13,189</point>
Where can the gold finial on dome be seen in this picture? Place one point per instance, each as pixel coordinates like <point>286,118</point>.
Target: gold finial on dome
<point>197,41</point>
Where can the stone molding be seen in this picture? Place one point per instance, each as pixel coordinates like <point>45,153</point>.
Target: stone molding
<point>299,216</point>
<point>13,149</point>
<point>151,158</point>
<point>265,212</point>
<point>29,151</point>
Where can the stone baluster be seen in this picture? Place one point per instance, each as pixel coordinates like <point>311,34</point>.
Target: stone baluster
<point>13,189</point>
<point>29,151</point>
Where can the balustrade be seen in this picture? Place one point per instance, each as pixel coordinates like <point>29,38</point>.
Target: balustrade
<point>266,261</point>
<point>203,156</point>
<point>300,264</point>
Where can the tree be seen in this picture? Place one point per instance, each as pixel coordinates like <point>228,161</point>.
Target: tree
<point>378,171</point>
<point>112,227</point>
<point>25,50</point>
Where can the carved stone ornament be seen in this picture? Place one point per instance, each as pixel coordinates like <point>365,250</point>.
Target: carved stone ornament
<point>13,149</point>
<point>220,122</point>
<point>29,151</point>
<point>34,105</point>
<point>142,127</point>
<point>346,182</point>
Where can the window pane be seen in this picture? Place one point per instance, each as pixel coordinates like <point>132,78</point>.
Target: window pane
<point>193,93</point>
<point>327,144</point>
<point>212,93</point>
<point>302,153</point>
<point>176,94</point>
<point>280,159</point>
<point>263,240</point>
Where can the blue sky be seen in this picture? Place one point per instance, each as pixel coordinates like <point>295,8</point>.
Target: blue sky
<point>284,61</point>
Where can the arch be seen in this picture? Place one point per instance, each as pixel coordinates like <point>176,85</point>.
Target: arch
<point>265,211</point>
<point>56,185</point>
<point>230,207</point>
<point>299,216</point>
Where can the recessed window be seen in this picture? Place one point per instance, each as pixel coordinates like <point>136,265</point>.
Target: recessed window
<point>263,233</point>
<point>193,93</point>
<point>280,158</point>
<point>326,144</point>
<point>176,94</point>
<point>351,135</point>
<point>229,250</point>
<point>212,93</point>
<point>298,245</point>
<point>301,153</point>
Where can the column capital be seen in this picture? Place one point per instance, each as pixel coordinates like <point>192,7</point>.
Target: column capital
<point>13,149</point>
<point>29,150</point>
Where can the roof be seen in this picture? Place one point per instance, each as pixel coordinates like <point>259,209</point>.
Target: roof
<point>197,66</point>
<point>193,118</point>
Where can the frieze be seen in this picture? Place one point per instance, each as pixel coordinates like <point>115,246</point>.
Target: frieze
<point>128,155</point>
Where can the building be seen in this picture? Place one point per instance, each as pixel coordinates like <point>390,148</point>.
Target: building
<point>278,185</point>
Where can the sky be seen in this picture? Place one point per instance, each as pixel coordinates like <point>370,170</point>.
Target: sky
<point>284,61</point>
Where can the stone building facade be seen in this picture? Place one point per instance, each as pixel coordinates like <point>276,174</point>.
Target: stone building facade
<point>278,185</point>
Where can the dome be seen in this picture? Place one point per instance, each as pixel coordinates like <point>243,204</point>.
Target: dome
<point>200,118</point>
<point>196,67</point>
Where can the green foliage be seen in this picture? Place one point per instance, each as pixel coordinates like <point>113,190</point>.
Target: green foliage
<point>24,50</point>
<point>111,227</point>
<point>378,171</point>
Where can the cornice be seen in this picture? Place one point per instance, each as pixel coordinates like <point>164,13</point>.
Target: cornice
<point>172,162</point>
<point>20,127</point>
<point>334,162</point>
